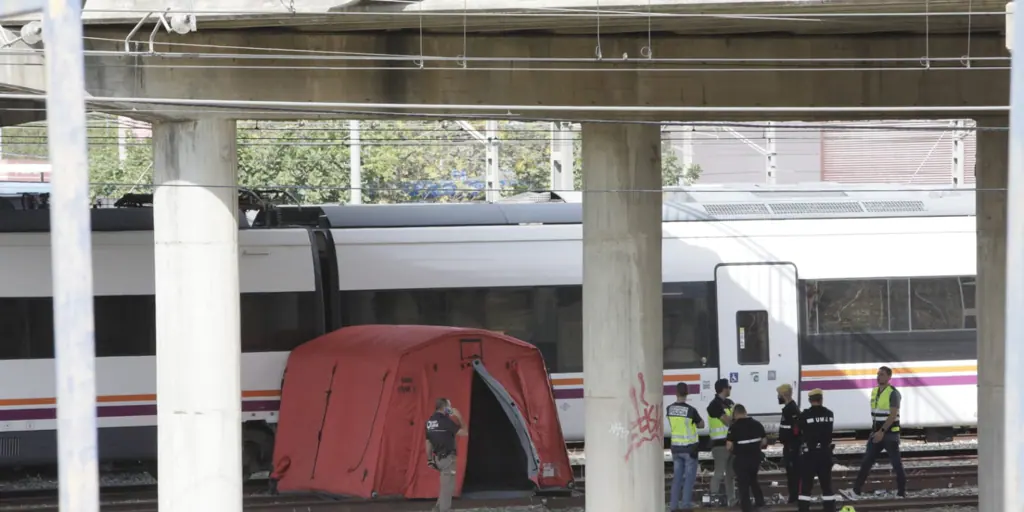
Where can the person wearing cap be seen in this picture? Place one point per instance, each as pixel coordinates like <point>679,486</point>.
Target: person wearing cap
<point>745,441</point>
<point>816,424</point>
<point>719,420</point>
<point>789,434</point>
<point>684,420</point>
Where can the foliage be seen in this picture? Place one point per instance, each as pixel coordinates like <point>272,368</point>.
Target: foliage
<point>312,158</point>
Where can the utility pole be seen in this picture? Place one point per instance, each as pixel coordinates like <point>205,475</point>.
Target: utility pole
<point>562,157</point>
<point>122,129</point>
<point>355,164</point>
<point>767,152</point>
<point>959,136</point>
<point>493,172</point>
<point>770,153</point>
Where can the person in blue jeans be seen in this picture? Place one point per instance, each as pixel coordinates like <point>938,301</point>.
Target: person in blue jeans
<point>684,420</point>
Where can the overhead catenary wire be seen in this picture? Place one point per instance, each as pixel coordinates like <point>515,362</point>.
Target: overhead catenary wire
<point>630,109</point>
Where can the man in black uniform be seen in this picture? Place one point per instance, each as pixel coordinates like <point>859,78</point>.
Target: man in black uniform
<point>745,440</point>
<point>816,435</point>
<point>789,434</point>
<point>442,427</point>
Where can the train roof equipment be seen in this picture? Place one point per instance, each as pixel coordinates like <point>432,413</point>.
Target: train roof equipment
<point>382,382</point>
<point>699,203</point>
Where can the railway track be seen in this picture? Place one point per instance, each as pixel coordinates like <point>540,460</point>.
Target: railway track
<point>142,498</point>
<point>879,479</point>
<point>283,504</point>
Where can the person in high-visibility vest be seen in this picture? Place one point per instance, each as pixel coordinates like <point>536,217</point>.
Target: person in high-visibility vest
<point>885,421</point>
<point>684,420</point>
<point>719,420</point>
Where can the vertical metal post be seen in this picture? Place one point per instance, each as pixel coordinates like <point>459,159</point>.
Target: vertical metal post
<point>959,134</point>
<point>568,157</point>
<point>687,152</point>
<point>355,159</point>
<point>71,256</point>
<point>1013,465</point>
<point>556,155</point>
<point>492,173</point>
<point>770,153</point>
<point>122,139</point>
<point>562,178</point>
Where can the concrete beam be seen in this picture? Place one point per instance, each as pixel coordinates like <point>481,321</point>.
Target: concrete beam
<point>531,83</point>
<point>20,72</point>
<point>680,16</point>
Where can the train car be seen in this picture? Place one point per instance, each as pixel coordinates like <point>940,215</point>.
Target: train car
<point>812,288</point>
<point>282,305</point>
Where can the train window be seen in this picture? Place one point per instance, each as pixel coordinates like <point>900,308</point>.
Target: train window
<point>511,311</point>
<point>125,325</point>
<point>274,322</point>
<point>845,306</point>
<point>549,317</point>
<point>752,337</point>
<point>26,328</point>
<point>570,329</point>
<point>899,305</point>
<point>936,304</point>
<point>968,296</point>
<point>686,324</point>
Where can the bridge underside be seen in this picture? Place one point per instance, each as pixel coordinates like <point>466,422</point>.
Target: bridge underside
<point>773,71</point>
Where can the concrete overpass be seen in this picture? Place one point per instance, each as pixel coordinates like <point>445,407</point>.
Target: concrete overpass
<point>565,54</point>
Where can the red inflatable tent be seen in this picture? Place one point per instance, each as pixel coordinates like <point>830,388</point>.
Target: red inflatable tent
<point>355,403</point>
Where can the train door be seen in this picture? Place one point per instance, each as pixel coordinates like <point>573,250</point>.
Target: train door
<point>758,340</point>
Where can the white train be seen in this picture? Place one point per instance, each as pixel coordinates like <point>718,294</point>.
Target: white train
<point>816,289</point>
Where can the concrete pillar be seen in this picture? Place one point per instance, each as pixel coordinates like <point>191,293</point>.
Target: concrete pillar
<point>197,316</point>
<point>991,172</point>
<point>622,333</point>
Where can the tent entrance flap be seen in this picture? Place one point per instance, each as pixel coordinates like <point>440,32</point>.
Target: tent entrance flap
<point>515,416</point>
<point>496,465</point>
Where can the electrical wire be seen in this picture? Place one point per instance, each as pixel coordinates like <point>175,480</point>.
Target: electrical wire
<point>630,109</point>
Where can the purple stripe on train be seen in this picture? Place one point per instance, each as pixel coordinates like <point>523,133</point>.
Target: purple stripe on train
<point>669,390</point>
<point>121,411</point>
<point>905,382</point>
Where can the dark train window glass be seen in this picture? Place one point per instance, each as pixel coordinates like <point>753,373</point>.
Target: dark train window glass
<point>899,305</point>
<point>936,304</point>
<point>281,321</point>
<point>845,306</point>
<point>125,325</point>
<point>549,317</point>
<point>890,305</point>
<point>752,337</point>
<point>570,329</point>
<point>686,324</point>
<point>26,328</point>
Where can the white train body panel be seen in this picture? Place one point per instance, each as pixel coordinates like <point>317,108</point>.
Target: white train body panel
<point>269,261</point>
<point>435,258</point>
<point>439,258</point>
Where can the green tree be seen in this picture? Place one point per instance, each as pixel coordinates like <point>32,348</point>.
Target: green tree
<point>311,158</point>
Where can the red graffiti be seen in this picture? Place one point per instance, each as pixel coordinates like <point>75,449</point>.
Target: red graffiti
<point>648,425</point>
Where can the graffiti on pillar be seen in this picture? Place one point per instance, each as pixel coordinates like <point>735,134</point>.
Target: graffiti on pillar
<point>647,426</point>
